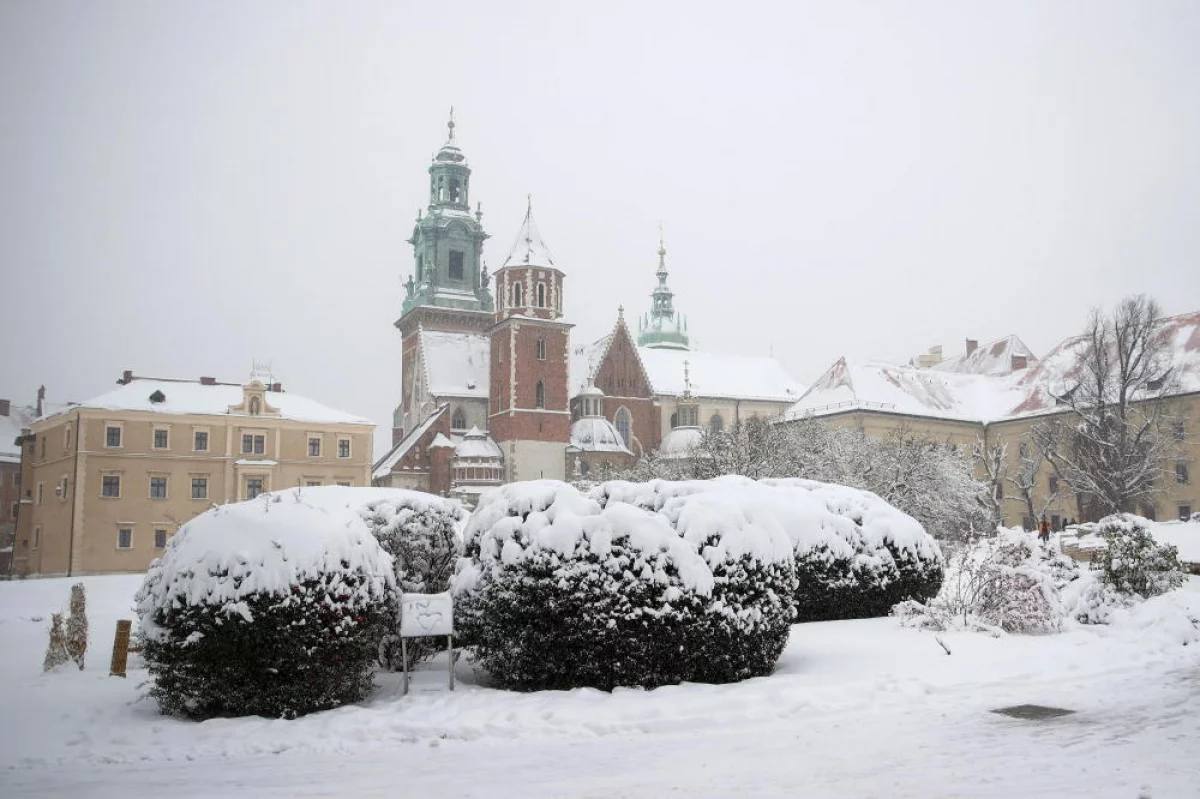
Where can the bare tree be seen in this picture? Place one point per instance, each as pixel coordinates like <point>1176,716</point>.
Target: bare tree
<point>993,460</point>
<point>1030,459</point>
<point>1110,445</point>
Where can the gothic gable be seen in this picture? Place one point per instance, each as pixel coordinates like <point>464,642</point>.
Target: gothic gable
<point>621,373</point>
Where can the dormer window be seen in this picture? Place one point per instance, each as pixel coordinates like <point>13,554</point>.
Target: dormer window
<point>158,396</point>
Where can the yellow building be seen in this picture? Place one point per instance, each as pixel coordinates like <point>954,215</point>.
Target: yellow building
<point>108,481</point>
<point>993,395</point>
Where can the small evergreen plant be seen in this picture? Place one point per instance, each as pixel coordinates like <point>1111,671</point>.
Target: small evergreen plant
<point>77,626</point>
<point>56,651</point>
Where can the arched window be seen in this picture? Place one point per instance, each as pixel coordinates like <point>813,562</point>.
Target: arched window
<point>541,349</point>
<point>459,420</point>
<point>453,190</point>
<point>518,295</point>
<point>623,422</point>
<point>541,295</point>
<point>716,424</point>
<point>540,395</point>
<point>255,406</point>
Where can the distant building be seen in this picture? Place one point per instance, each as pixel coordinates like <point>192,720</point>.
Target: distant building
<point>105,483</point>
<point>994,395</point>
<point>492,390</point>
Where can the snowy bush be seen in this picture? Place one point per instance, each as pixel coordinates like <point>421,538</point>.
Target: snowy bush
<point>56,649</point>
<point>77,626</point>
<point>1133,562</point>
<point>269,607</point>
<point>560,590</point>
<point>1006,582</point>
<point>421,533</point>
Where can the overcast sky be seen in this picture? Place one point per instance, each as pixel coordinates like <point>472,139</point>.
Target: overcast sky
<point>188,187</point>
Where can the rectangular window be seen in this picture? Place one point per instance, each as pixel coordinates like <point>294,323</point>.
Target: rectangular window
<point>254,487</point>
<point>343,448</point>
<point>1185,512</point>
<point>112,436</point>
<point>1179,430</point>
<point>201,441</point>
<point>39,494</point>
<point>13,511</point>
<point>1181,473</point>
<point>160,538</point>
<point>313,484</point>
<point>247,443</point>
<point>125,538</point>
<point>1053,484</point>
<point>314,447</point>
<point>260,445</point>
<point>456,265</point>
<point>67,436</point>
<point>344,483</point>
<point>199,488</point>
<point>158,488</point>
<point>110,486</point>
<point>253,444</point>
<point>16,479</point>
<point>541,349</point>
<point>64,485</point>
<point>160,438</point>
<point>37,537</point>
<point>42,439</point>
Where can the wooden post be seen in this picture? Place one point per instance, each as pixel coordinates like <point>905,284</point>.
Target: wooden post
<point>404,662</point>
<point>450,653</point>
<point>120,653</point>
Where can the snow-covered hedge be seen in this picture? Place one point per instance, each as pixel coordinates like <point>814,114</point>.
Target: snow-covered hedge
<point>854,555</point>
<point>422,534</point>
<point>1133,562</point>
<point>562,590</point>
<point>269,607</point>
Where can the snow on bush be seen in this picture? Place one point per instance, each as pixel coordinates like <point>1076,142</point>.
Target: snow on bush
<point>562,590</point>
<point>1133,562</point>
<point>268,607</point>
<point>422,534</point>
<point>855,556</point>
<point>1007,582</point>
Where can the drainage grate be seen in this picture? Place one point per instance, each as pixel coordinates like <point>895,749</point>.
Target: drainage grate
<point>1034,712</point>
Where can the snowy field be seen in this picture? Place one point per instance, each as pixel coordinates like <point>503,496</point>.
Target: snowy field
<point>855,709</point>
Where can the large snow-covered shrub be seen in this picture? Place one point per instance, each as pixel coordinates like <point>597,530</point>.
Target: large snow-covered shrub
<point>268,607</point>
<point>1133,562</point>
<point>1006,582</point>
<point>561,590</point>
<point>422,534</point>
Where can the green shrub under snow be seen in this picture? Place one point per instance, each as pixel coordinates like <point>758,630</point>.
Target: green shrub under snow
<point>1133,562</point>
<point>271,607</point>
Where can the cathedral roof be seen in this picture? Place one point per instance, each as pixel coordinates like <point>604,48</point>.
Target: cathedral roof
<point>529,249</point>
<point>456,364</point>
<point>719,375</point>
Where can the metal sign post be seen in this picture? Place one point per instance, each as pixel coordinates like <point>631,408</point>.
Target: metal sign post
<point>426,616</point>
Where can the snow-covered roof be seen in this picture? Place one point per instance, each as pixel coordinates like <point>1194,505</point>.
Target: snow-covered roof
<point>476,444</point>
<point>995,358</point>
<point>383,467</point>
<point>596,434</point>
<point>529,249</point>
<point>20,417</point>
<point>456,364</point>
<point>719,375</point>
<point>679,442</point>
<point>980,390</point>
<point>181,396</point>
<point>585,361</point>
<point>906,390</point>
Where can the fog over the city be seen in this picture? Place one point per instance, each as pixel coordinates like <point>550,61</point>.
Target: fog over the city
<point>188,187</point>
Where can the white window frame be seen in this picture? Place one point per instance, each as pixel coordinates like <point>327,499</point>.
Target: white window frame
<point>120,426</point>
<point>154,431</point>
<point>254,436</point>
<point>192,486</point>
<point>308,441</point>
<point>166,537</point>
<point>67,436</point>
<point>119,485</point>
<point>349,446</point>
<point>166,486</point>
<point>40,492</point>
<point>262,478</point>
<point>121,527</point>
<point>37,536</point>
<point>207,439</point>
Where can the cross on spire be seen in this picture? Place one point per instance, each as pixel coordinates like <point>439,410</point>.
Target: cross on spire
<point>450,125</point>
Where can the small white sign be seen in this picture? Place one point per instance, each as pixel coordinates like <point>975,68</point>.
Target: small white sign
<point>426,614</point>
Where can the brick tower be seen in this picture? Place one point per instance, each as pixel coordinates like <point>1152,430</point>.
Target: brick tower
<point>528,413</point>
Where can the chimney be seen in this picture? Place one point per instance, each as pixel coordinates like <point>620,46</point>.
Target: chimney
<point>1019,362</point>
<point>208,381</point>
<point>972,345</point>
<point>5,406</point>
<point>41,401</point>
<point>126,378</point>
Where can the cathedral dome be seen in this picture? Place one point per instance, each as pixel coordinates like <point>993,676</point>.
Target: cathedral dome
<point>679,442</point>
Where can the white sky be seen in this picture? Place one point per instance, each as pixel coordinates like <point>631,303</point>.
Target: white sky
<point>186,187</point>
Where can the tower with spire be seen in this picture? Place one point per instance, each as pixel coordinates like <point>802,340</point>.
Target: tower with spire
<point>663,327</point>
<point>529,413</point>
<point>447,239</point>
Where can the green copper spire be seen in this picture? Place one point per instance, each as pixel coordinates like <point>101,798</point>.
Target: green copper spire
<point>663,328</point>
<point>448,239</point>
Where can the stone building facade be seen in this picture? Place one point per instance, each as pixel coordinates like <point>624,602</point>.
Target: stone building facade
<point>108,481</point>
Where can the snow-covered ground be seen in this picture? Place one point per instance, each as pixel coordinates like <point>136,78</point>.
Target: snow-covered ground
<point>860,708</point>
